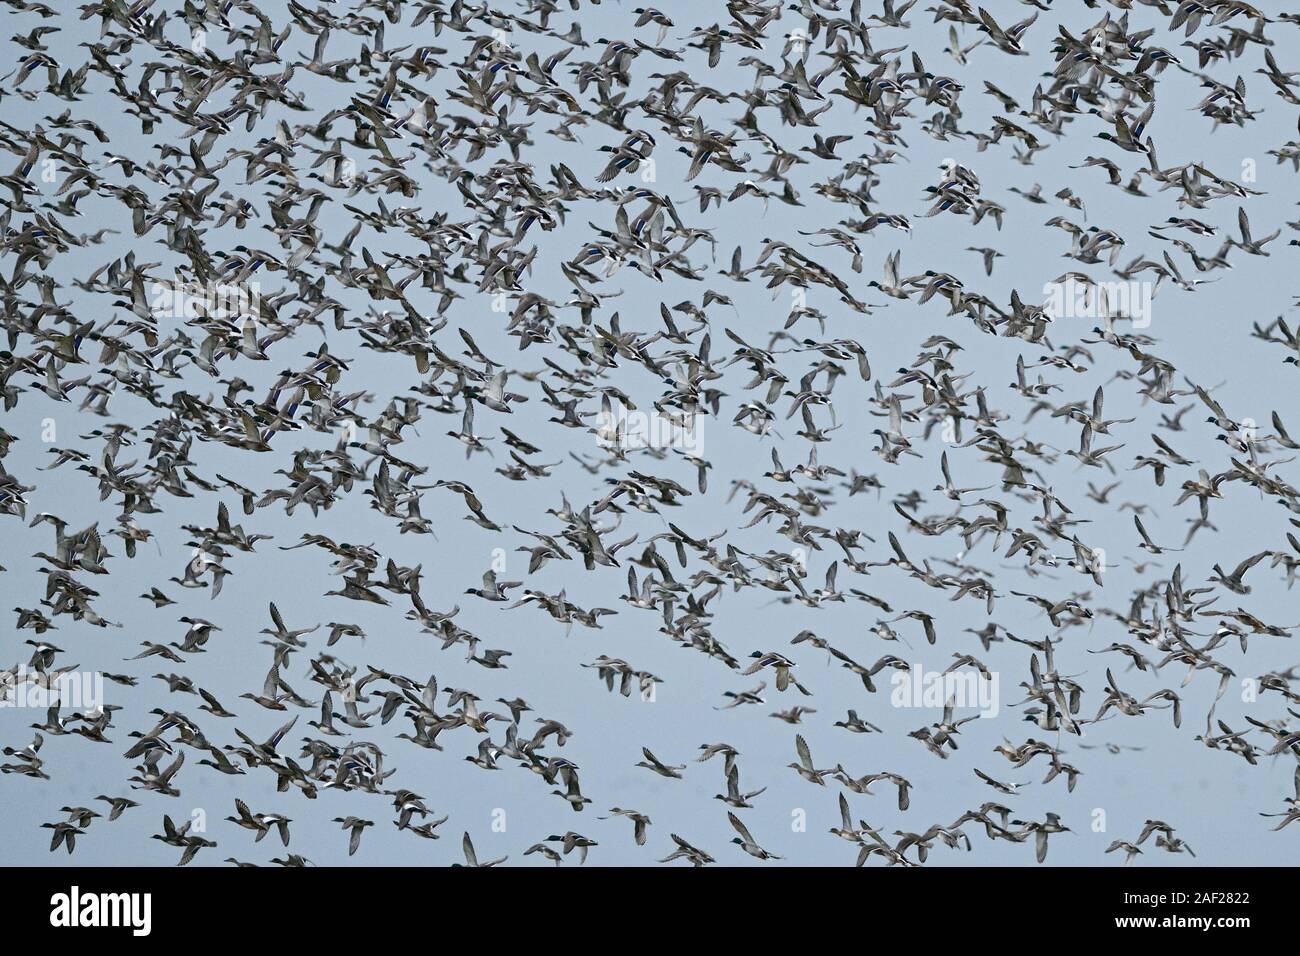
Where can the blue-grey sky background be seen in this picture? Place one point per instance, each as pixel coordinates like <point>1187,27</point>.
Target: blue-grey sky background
<point>1213,798</point>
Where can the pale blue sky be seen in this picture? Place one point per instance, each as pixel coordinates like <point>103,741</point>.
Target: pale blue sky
<point>1213,798</point>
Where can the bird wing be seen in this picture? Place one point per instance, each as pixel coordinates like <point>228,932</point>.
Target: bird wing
<point>801,746</point>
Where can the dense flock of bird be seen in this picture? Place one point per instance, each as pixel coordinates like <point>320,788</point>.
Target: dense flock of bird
<point>341,276</point>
